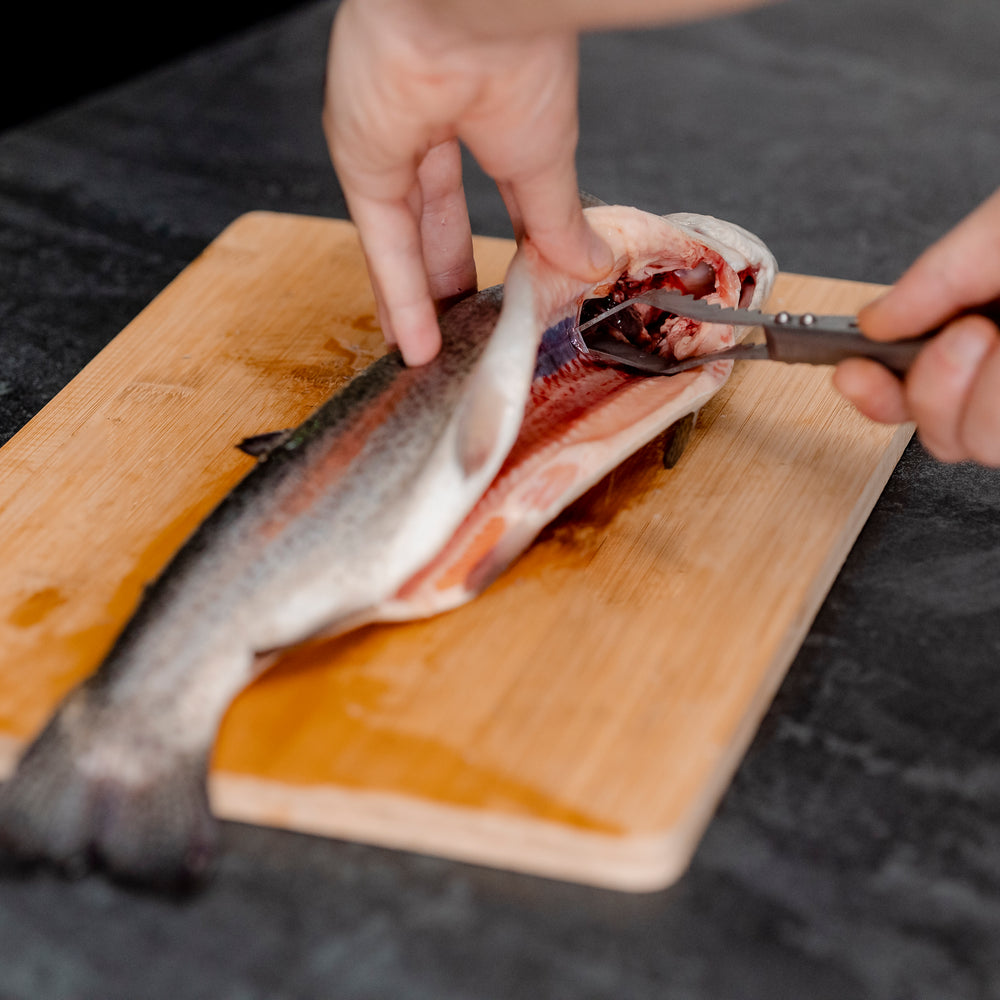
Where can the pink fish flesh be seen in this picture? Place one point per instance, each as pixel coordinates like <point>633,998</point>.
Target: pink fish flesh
<point>582,418</point>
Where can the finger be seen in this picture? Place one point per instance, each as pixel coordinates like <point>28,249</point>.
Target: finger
<point>445,230</point>
<point>551,216</point>
<point>979,431</point>
<point>525,138</point>
<point>959,271</point>
<point>873,390</point>
<point>940,383</point>
<point>373,154</point>
<point>390,236</point>
<point>513,209</point>
<point>381,314</point>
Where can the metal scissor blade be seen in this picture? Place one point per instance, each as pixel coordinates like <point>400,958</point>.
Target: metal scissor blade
<point>739,352</point>
<point>807,338</point>
<point>604,347</point>
<point>682,305</point>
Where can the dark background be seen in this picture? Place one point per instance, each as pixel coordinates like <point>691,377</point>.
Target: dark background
<point>856,854</point>
<point>56,57</point>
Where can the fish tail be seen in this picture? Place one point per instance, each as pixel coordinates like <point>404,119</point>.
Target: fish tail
<point>75,810</point>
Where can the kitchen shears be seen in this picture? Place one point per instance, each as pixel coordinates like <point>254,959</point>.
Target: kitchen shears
<point>793,338</point>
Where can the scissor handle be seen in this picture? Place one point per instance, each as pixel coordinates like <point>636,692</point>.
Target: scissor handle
<point>825,340</point>
<point>827,347</point>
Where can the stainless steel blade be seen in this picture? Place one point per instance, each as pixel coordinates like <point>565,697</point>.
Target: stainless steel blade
<point>604,347</point>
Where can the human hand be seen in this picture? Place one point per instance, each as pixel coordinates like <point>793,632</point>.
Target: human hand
<point>402,90</point>
<point>952,391</point>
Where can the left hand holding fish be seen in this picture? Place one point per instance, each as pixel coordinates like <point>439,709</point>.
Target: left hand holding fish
<point>408,79</point>
<point>403,87</point>
<point>952,391</point>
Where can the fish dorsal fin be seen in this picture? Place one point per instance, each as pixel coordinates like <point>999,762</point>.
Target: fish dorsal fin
<point>261,445</point>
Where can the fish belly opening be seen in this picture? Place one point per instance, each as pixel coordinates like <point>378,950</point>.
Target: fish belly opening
<point>653,330</point>
<point>644,326</point>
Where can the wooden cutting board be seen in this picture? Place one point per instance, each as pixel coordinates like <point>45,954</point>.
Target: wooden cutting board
<point>580,719</point>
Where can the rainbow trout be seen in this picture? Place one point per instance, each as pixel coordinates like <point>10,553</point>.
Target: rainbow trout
<point>403,495</point>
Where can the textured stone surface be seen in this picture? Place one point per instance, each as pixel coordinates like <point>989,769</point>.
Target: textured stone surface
<point>856,854</point>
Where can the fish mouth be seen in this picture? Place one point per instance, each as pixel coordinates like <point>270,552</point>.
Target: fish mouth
<point>656,331</point>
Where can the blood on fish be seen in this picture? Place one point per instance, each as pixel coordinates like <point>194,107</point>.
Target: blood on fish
<point>748,287</point>
<point>647,327</point>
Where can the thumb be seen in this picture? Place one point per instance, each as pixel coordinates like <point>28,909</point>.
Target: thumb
<point>547,210</point>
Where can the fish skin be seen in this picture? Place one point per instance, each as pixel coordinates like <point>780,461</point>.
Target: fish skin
<point>327,532</point>
<point>320,531</point>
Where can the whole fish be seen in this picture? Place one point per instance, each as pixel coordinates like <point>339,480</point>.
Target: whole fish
<point>403,495</point>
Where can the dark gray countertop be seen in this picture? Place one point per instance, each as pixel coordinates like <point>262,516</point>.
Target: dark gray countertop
<point>857,853</point>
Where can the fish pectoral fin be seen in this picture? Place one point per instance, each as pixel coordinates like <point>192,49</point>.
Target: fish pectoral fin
<point>676,439</point>
<point>480,424</point>
<point>261,445</point>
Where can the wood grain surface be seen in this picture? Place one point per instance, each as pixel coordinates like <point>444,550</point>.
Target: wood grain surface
<point>581,718</point>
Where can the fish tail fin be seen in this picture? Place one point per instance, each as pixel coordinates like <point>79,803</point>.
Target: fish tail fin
<point>76,807</point>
